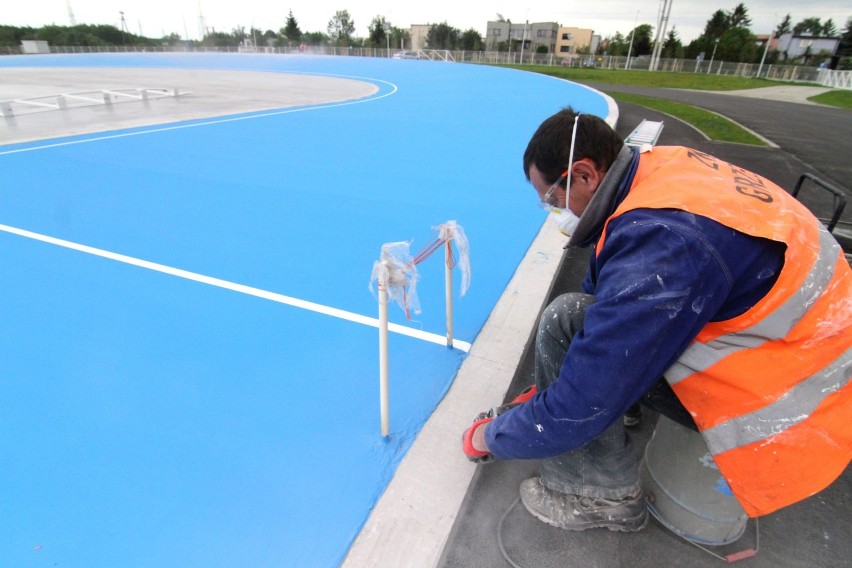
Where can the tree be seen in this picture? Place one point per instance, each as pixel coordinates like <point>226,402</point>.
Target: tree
<point>808,26</point>
<point>12,36</point>
<point>739,17</point>
<point>219,39</point>
<point>728,34</point>
<point>672,48</point>
<point>442,36</point>
<point>613,45</point>
<point>785,27</point>
<point>256,36</point>
<point>829,29</point>
<point>379,29</point>
<point>620,45</point>
<point>845,47</point>
<point>80,35</point>
<point>340,28</point>
<point>643,39</point>
<point>239,34</point>
<point>399,38</point>
<point>291,29</point>
<point>737,44</point>
<point>268,38</point>
<point>716,26</point>
<point>471,40</point>
<point>314,38</point>
<point>172,39</point>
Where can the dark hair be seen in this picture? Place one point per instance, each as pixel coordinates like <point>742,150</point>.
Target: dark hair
<point>549,147</point>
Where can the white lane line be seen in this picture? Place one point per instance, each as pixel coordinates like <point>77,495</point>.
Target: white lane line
<point>241,288</point>
<point>261,114</point>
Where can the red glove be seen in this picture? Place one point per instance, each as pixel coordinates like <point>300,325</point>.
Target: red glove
<point>474,455</point>
<point>525,395</point>
<point>483,418</point>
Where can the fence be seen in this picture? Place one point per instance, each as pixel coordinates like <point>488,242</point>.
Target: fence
<point>775,72</point>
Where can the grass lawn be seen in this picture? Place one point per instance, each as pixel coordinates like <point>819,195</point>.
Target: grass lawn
<point>661,79</point>
<point>713,125</point>
<point>839,98</point>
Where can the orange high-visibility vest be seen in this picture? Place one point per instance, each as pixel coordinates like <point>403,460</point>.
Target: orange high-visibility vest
<point>769,390</point>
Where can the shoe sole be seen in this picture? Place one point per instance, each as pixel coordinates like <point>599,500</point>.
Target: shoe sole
<point>629,525</point>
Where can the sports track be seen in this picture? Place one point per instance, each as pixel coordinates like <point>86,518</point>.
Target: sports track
<point>189,371</point>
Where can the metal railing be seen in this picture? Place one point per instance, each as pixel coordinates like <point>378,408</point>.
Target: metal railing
<point>62,101</point>
<point>835,79</point>
<point>776,72</point>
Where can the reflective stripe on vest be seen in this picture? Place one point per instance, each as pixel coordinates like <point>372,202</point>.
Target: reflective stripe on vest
<point>788,411</point>
<point>700,356</point>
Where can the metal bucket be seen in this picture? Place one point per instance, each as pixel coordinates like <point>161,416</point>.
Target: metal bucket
<point>685,490</point>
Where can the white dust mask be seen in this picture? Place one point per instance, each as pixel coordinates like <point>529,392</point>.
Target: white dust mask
<point>566,220</point>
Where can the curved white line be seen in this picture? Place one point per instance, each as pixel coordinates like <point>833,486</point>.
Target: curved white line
<point>261,114</point>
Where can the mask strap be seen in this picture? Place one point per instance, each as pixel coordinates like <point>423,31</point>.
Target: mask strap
<point>571,157</point>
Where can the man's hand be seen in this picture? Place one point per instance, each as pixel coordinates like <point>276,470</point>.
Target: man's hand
<point>473,441</point>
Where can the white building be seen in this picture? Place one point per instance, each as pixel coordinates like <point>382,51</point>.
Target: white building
<point>801,46</point>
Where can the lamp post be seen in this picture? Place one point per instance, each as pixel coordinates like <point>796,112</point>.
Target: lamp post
<point>665,11</point>
<point>388,29</point>
<point>632,35</point>
<point>713,56</point>
<point>766,48</point>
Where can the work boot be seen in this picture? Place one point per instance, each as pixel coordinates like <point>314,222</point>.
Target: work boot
<point>575,513</point>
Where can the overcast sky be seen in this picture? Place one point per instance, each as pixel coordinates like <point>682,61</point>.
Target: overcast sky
<point>155,18</point>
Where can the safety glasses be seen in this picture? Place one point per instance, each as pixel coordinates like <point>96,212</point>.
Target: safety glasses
<point>548,201</point>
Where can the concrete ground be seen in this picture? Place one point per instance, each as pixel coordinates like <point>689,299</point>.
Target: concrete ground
<point>204,94</point>
<point>785,93</point>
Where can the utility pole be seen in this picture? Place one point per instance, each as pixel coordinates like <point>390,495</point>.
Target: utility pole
<point>661,33</point>
<point>124,29</point>
<point>766,48</point>
<point>202,25</point>
<point>632,34</point>
<point>712,57</point>
<point>71,17</point>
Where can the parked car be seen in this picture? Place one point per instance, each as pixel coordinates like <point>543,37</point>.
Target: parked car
<point>406,55</point>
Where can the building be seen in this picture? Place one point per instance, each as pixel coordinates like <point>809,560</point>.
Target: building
<point>526,36</point>
<point>418,34</point>
<point>793,47</point>
<point>573,40</point>
<point>34,46</point>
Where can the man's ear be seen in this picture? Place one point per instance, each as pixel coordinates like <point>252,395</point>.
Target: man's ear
<point>587,172</point>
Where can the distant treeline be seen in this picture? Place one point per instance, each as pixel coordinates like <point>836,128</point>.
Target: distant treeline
<point>81,35</point>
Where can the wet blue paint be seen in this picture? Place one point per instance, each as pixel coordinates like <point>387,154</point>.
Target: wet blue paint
<point>151,421</point>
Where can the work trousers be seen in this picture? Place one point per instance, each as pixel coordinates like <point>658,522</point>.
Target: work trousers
<point>606,467</point>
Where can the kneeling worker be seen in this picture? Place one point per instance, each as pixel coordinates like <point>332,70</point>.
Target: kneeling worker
<point>712,296</point>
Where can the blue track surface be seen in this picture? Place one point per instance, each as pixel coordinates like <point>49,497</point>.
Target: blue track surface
<point>150,420</point>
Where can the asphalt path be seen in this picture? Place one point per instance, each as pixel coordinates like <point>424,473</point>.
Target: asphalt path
<point>817,135</point>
